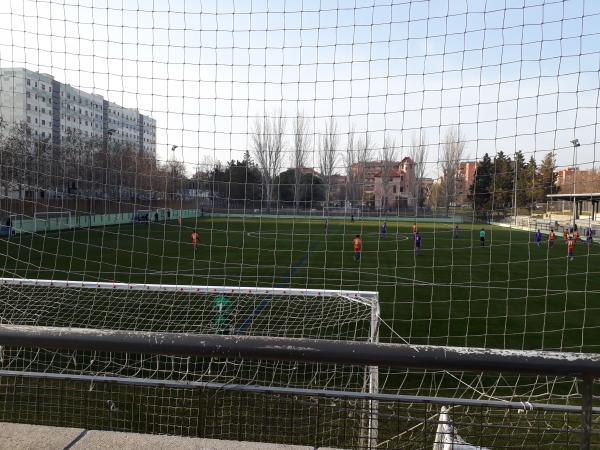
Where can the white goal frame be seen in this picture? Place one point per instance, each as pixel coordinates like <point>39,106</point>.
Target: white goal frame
<point>45,216</point>
<point>136,213</point>
<point>366,298</point>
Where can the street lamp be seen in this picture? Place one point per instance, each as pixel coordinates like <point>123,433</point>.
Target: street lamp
<point>576,144</point>
<point>173,148</point>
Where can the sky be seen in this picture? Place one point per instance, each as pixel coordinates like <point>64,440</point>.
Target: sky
<point>512,75</point>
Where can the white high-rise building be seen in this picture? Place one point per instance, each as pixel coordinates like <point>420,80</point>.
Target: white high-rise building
<point>26,97</point>
<point>80,111</point>
<point>52,110</point>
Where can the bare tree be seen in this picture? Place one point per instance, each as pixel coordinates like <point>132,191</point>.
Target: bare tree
<point>267,149</point>
<point>349,159</point>
<point>452,154</point>
<point>388,156</point>
<point>364,155</point>
<point>328,154</point>
<point>300,154</point>
<point>16,157</point>
<point>418,154</point>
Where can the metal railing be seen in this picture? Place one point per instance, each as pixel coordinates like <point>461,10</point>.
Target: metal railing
<point>292,415</point>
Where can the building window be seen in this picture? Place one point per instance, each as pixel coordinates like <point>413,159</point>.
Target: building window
<point>43,87</point>
<point>43,122</point>
<point>43,134</point>
<point>28,119</point>
<point>28,107</point>
<point>35,84</point>
<point>394,190</point>
<point>36,121</point>
<point>43,110</point>
<point>49,89</point>
<point>28,82</point>
<point>28,94</point>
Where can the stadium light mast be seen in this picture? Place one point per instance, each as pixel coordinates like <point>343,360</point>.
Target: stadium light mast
<point>576,144</point>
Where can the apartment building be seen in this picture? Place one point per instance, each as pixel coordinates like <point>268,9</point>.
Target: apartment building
<point>53,109</point>
<point>26,97</point>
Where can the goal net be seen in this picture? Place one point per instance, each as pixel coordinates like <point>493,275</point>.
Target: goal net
<point>266,312</point>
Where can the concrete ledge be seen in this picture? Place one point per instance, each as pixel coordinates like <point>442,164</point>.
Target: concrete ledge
<point>20,437</point>
<point>25,437</point>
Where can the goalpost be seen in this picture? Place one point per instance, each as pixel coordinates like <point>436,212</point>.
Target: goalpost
<point>51,220</point>
<point>142,216</point>
<point>204,310</point>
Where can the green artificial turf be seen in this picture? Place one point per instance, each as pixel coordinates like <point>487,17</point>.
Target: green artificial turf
<point>508,294</point>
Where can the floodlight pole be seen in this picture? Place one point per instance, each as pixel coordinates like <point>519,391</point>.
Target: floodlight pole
<point>576,144</point>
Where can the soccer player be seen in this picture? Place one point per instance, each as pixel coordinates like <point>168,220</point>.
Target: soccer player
<point>482,237</point>
<point>456,230</point>
<point>384,230</point>
<point>538,238</point>
<point>414,228</point>
<point>576,235</point>
<point>589,236</point>
<point>565,235</point>
<point>570,249</point>
<point>195,239</point>
<point>551,238</point>
<point>357,243</point>
<point>222,307</point>
<point>417,243</point>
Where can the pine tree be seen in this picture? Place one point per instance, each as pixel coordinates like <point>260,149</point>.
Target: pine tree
<point>502,182</point>
<point>532,186</point>
<point>547,178</point>
<point>480,191</point>
<point>522,179</point>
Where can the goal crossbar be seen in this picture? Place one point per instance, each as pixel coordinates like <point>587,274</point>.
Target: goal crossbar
<point>368,298</point>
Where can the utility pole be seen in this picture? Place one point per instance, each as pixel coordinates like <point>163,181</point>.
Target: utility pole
<point>173,148</point>
<point>515,183</point>
<point>576,144</point>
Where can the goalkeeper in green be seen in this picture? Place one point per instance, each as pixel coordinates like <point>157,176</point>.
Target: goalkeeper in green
<point>222,308</point>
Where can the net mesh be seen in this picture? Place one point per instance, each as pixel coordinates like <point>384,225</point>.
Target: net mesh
<point>275,133</point>
<point>196,310</point>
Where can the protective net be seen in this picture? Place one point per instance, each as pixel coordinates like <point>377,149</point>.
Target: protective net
<point>439,153</point>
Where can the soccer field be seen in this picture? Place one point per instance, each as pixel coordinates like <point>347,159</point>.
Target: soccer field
<point>508,294</point>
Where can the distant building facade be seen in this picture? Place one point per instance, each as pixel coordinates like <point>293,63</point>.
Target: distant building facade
<point>586,181</point>
<point>399,192</point>
<point>464,180</point>
<point>52,110</point>
<point>396,191</point>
